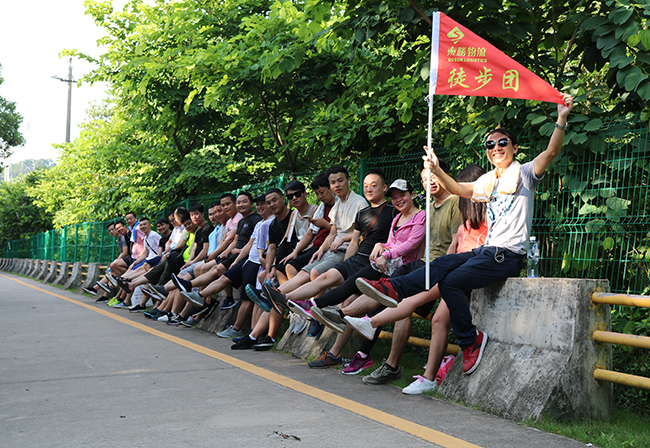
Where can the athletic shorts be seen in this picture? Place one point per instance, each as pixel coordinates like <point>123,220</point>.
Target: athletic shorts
<point>327,262</point>
<point>243,273</point>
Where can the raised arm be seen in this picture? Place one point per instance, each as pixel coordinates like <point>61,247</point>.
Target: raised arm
<point>544,160</point>
<point>461,189</point>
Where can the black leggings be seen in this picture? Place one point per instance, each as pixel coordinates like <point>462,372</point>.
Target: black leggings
<point>348,288</point>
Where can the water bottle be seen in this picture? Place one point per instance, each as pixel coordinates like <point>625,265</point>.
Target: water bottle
<point>533,258</point>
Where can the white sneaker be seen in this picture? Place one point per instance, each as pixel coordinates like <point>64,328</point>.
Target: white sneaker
<point>362,325</point>
<point>420,385</point>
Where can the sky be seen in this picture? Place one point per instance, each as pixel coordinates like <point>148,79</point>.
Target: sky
<point>32,34</point>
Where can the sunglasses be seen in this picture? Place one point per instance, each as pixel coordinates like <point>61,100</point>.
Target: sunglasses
<point>490,144</point>
<point>296,195</point>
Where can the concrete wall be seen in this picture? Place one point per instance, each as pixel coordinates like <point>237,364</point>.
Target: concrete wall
<point>540,357</point>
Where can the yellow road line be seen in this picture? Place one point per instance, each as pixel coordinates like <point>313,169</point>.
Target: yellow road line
<point>437,437</point>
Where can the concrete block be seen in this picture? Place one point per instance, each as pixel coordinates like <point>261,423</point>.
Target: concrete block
<point>27,266</point>
<point>35,269</point>
<point>62,277</point>
<point>3,264</point>
<point>92,275</point>
<point>540,356</point>
<point>74,281</point>
<point>17,265</point>
<point>45,267</point>
<point>219,319</point>
<point>51,272</point>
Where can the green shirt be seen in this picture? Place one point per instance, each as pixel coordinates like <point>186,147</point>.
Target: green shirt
<point>445,221</point>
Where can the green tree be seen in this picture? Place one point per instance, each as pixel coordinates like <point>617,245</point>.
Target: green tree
<point>10,121</point>
<point>21,217</point>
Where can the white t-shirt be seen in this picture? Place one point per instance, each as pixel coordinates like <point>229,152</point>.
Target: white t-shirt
<point>151,242</point>
<point>344,213</point>
<point>510,216</point>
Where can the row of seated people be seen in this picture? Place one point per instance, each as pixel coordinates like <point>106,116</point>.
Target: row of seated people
<point>366,272</point>
<point>311,259</point>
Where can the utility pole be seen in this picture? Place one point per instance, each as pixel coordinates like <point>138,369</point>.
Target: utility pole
<point>69,80</point>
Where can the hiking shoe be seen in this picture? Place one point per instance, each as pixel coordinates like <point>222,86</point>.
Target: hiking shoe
<point>358,364</point>
<point>228,303</point>
<point>301,307</point>
<point>381,290</point>
<point>229,332</point>
<point>153,313</point>
<point>137,308</point>
<point>419,386</point>
<point>102,299</point>
<point>277,297</point>
<point>190,322</point>
<point>384,374</point>
<point>315,329</point>
<point>182,284</point>
<point>258,299</point>
<point>362,325</point>
<point>175,320</point>
<point>329,317</point>
<point>92,292</point>
<point>264,343</point>
<point>325,360</point>
<point>122,283</point>
<point>240,338</point>
<point>111,278</point>
<point>472,355</point>
<point>245,343</point>
<point>104,286</point>
<point>159,291</point>
<point>194,297</point>
<point>113,302</point>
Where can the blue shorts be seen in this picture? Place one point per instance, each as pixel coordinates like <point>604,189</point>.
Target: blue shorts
<point>243,273</point>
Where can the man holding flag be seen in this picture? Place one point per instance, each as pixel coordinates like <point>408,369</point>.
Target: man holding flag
<point>509,190</point>
<point>464,64</point>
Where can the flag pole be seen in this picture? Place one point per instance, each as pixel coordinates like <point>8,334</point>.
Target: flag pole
<point>433,79</point>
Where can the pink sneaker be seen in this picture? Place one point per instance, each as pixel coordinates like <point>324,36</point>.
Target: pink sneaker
<point>358,364</point>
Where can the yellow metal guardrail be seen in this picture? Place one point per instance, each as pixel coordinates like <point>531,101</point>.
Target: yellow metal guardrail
<point>629,340</point>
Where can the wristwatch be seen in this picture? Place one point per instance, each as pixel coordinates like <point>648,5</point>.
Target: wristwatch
<point>561,128</point>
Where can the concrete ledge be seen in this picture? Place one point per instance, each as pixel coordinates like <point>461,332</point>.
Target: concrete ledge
<point>51,273</point>
<point>92,275</point>
<point>219,319</point>
<point>74,281</point>
<point>35,270</point>
<point>63,274</point>
<point>539,357</point>
<point>27,266</point>
<point>45,267</point>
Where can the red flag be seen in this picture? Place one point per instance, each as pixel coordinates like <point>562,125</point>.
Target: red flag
<point>464,64</point>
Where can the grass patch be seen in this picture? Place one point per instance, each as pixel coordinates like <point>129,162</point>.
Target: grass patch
<point>626,429</point>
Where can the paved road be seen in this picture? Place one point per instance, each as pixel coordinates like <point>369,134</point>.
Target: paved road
<point>76,374</point>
